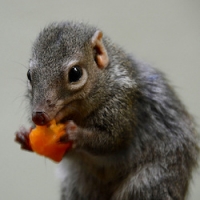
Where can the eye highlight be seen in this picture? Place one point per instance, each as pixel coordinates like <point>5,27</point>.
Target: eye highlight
<point>29,75</point>
<point>75,73</point>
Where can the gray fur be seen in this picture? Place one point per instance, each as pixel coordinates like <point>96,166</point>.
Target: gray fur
<point>135,140</point>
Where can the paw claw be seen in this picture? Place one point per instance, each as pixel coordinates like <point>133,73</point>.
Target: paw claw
<point>71,133</point>
<point>22,137</point>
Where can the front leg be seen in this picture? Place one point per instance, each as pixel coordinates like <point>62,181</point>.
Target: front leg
<point>22,137</point>
<point>94,140</point>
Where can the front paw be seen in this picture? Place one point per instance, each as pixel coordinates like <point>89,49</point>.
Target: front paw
<point>71,134</point>
<point>22,137</point>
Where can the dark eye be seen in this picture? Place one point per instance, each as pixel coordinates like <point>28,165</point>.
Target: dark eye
<point>29,75</point>
<point>75,73</point>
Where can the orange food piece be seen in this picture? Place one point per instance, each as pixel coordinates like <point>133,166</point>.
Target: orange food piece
<point>44,140</point>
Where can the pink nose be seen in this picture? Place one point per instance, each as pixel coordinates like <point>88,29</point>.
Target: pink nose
<point>40,118</point>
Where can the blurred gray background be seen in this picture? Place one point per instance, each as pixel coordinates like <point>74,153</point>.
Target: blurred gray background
<point>165,34</point>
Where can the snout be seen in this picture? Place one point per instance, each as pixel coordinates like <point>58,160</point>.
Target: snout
<point>40,118</point>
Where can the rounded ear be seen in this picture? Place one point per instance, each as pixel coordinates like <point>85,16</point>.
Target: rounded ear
<point>101,56</point>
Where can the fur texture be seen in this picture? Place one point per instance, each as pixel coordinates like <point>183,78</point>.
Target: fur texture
<point>134,139</point>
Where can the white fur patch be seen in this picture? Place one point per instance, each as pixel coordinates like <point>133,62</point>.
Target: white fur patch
<point>123,77</point>
<point>62,170</point>
<point>32,64</point>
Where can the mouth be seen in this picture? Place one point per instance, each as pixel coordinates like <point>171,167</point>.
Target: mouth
<point>67,113</point>
<point>65,119</point>
<point>62,116</point>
